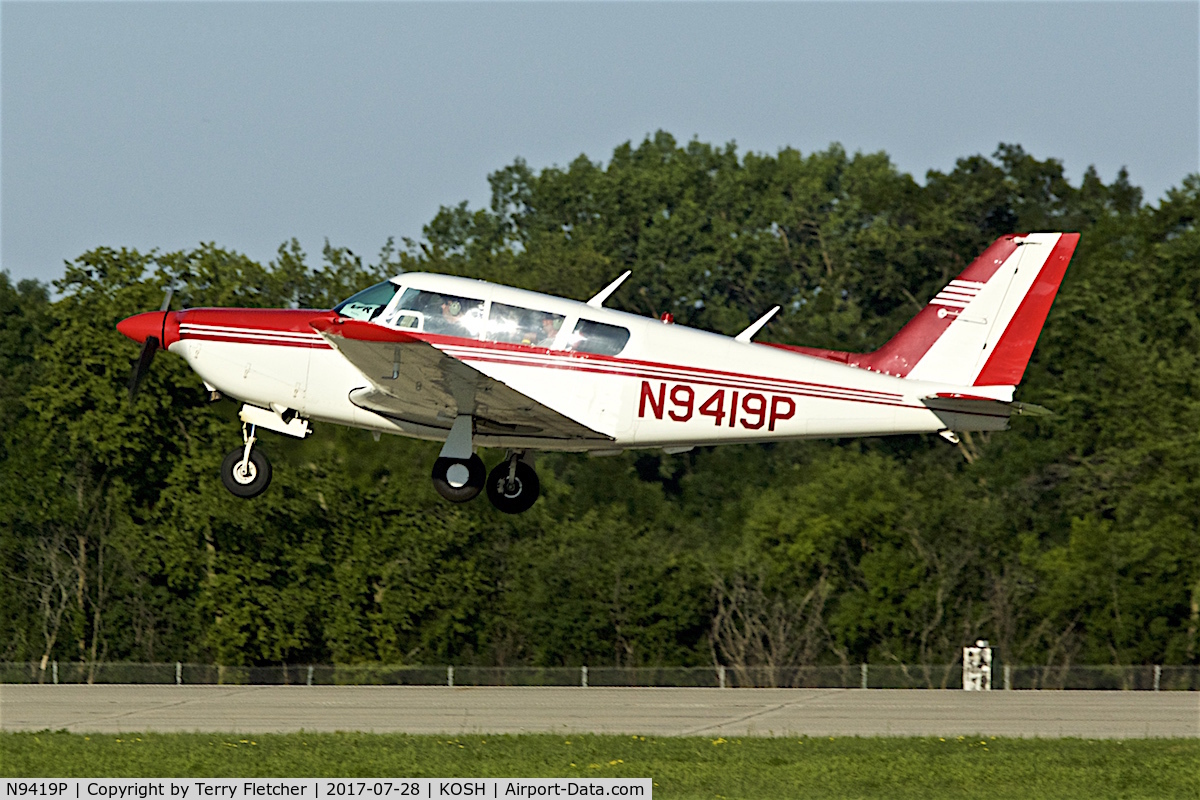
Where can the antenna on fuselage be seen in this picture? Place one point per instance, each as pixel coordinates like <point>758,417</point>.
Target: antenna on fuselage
<point>746,335</point>
<point>602,295</point>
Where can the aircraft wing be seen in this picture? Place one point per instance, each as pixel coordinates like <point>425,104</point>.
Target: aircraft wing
<point>412,380</point>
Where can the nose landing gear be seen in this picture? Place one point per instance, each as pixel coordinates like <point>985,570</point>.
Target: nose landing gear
<point>246,472</point>
<point>513,486</point>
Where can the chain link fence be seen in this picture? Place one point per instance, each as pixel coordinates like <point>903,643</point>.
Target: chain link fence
<point>850,676</point>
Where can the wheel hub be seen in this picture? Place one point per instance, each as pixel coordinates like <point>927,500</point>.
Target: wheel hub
<point>245,473</point>
<point>458,475</point>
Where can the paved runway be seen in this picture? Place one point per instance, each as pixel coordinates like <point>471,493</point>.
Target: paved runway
<point>646,711</point>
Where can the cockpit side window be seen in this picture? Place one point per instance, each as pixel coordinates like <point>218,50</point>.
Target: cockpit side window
<point>435,312</point>
<point>369,303</point>
<point>515,325</point>
<point>598,338</point>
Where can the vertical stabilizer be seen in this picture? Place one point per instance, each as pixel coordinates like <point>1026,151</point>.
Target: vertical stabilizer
<point>981,328</point>
<point>994,320</point>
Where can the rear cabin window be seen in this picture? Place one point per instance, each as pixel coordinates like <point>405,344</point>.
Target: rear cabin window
<point>369,303</point>
<point>515,325</point>
<point>436,312</point>
<point>598,338</point>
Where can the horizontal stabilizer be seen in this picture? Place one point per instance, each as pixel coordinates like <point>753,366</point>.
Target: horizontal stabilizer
<point>977,405</point>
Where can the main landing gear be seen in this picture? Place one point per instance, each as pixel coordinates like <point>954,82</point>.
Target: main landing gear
<point>459,474</point>
<point>459,479</point>
<point>246,471</point>
<point>513,486</point>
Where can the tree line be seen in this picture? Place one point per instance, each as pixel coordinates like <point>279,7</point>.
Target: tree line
<point>1068,539</point>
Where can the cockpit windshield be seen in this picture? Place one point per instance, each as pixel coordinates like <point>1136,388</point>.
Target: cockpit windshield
<point>369,303</point>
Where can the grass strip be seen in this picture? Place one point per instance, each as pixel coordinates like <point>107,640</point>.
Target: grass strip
<point>809,767</point>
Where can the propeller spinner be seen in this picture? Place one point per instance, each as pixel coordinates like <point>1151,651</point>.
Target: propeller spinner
<point>148,329</point>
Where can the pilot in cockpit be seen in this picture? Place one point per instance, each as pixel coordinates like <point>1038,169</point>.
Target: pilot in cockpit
<point>452,316</point>
<point>551,323</point>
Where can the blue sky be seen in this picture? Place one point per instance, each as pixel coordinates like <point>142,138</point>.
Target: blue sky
<point>160,125</point>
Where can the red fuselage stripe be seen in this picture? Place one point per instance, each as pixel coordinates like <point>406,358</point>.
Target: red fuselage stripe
<point>264,339</point>
<point>766,384</point>
<point>701,381</point>
<point>633,363</point>
<point>538,357</point>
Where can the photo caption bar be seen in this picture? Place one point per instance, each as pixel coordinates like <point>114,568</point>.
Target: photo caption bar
<point>321,788</point>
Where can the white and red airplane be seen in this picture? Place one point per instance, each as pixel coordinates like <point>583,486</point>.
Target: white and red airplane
<point>475,364</point>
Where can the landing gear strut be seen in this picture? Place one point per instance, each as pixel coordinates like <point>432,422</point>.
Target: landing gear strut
<point>458,473</point>
<point>246,471</point>
<point>513,486</point>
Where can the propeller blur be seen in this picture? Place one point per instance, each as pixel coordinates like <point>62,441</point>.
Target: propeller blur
<point>147,329</point>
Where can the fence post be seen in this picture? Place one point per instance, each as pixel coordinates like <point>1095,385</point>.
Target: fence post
<point>54,671</point>
<point>1007,677</point>
<point>1157,676</point>
<point>310,671</point>
<point>721,675</point>
<point>864,675</point>
<point>178,673</point>
<point>583,677</point>
<point>450,677</point>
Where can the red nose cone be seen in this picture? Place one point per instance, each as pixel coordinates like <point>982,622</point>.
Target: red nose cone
<point>140,326</point>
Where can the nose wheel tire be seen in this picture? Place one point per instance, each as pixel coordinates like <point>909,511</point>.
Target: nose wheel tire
<point>517,495</point>
<point>459,480</point>
<point>248,480</point>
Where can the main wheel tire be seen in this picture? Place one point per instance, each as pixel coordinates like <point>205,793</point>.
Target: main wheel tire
<point>254,480</point>
<point>518,498</point>
<point>459,480</point>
